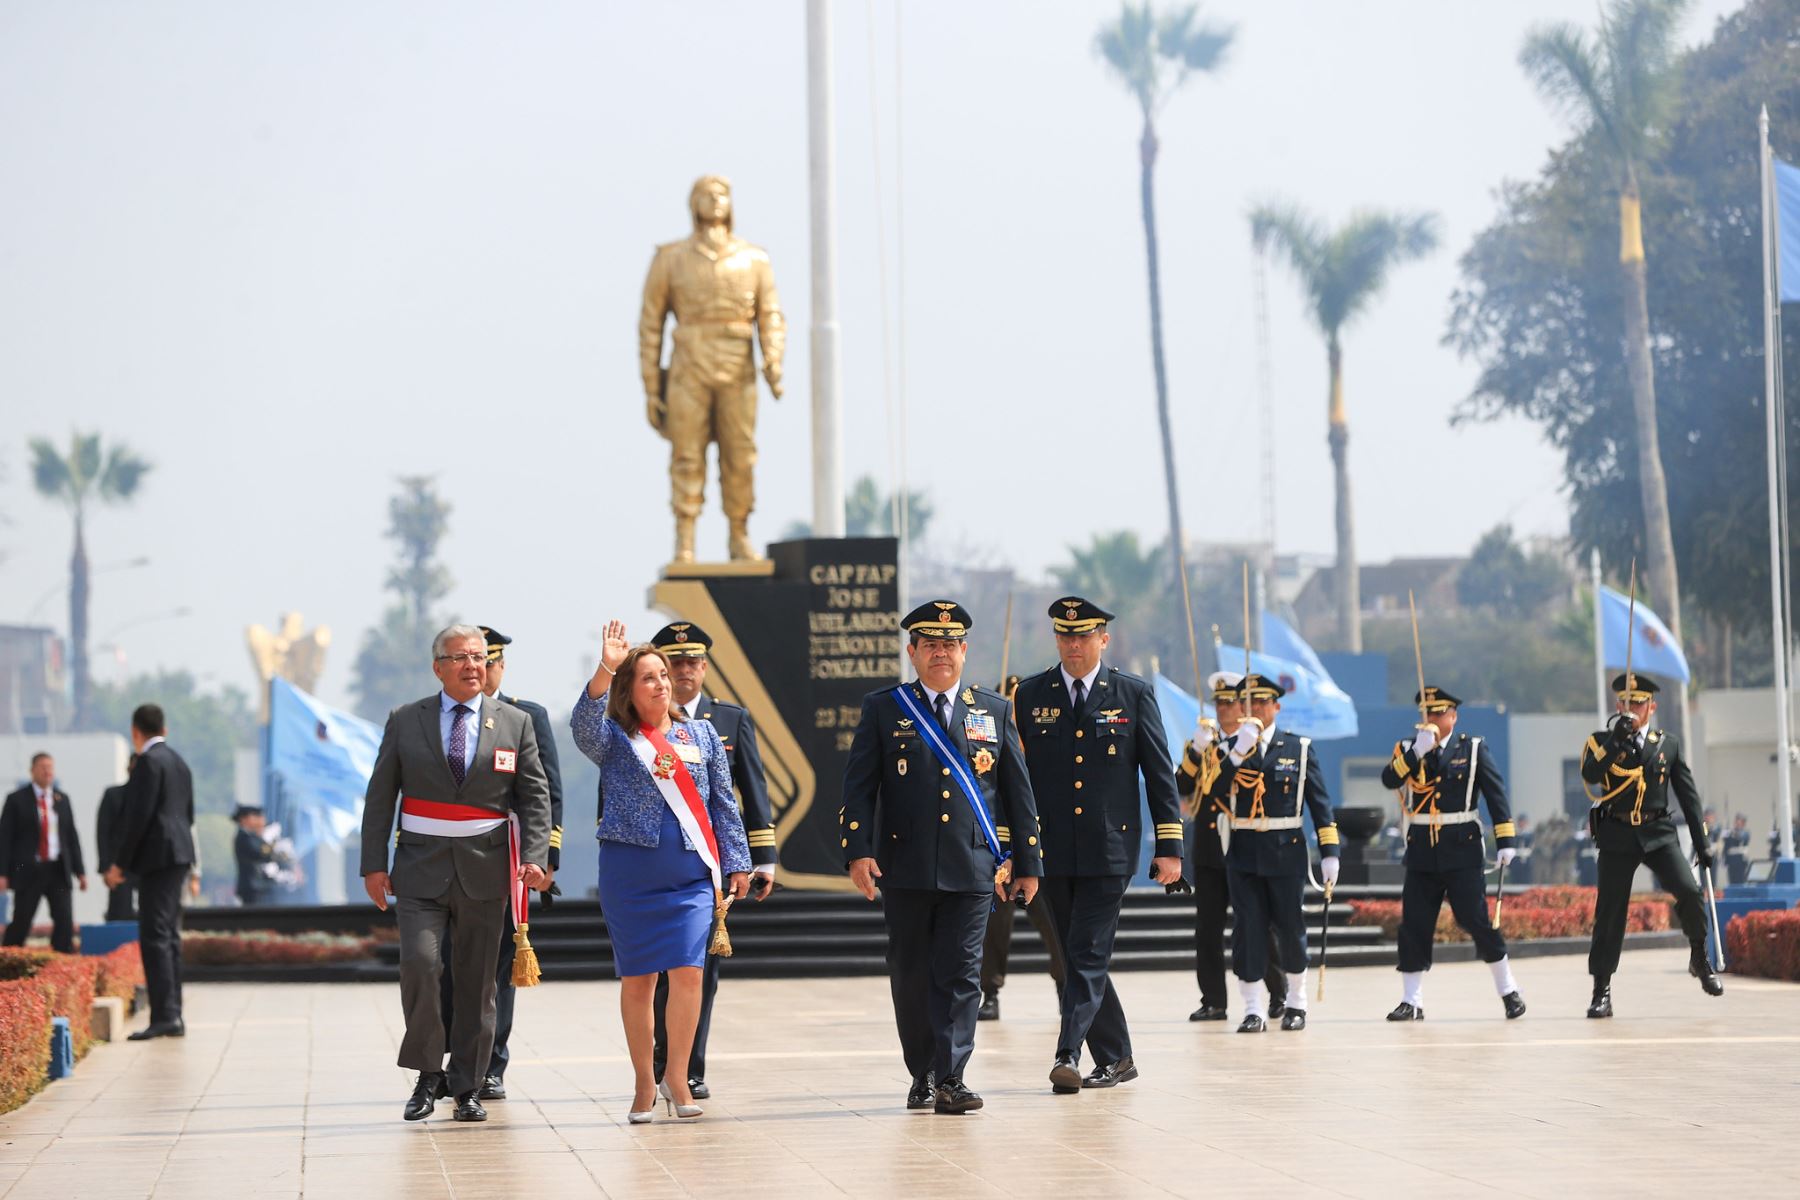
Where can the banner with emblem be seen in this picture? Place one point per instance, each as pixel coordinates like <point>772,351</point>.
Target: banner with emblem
<point>316,766</point>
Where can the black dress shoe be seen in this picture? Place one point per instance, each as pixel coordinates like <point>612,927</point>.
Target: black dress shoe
<point>990,1007</point>
<point>425,1095</point>
<point>1294,1018</point>
<point>1112,1074</point>
<point>492,1088</point>
<point>1412,1012</point>
<point>698,1090</point>
<point>1065,1076</point>
<point>953,1097</point>
<point>1208,1012</point>
<point>468,1108</point>
<point>1515,1005</point>
<point>1601,1005</point>
<point>159,1029</point>
<point>1277,1008</point>
<point>924,1091</point>
<point>1701,968</point>
<point>1252,1024</point>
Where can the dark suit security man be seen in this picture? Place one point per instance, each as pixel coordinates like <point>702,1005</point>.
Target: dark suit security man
<point>1273,779</point>
<point>1630,769</point>
<point>257,864</point>
<point>493,1084</point>
<point>687,646</point>
<point>40,853</point>
<point>1090,731</point>
<point>107,824</point>
<point>938,814</point>
<point>1441,776</point>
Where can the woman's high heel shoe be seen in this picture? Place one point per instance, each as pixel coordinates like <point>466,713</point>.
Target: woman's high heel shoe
<point>680,1110</point>
<point>635,1117</point>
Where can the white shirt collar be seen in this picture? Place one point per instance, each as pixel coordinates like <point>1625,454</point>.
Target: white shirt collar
<point>149,742</point>
<point>445,703</point>
<point>1087,681</point>
<point>949,694</point>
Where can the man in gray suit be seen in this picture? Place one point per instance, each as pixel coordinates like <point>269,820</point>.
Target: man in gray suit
<point>454,766</point>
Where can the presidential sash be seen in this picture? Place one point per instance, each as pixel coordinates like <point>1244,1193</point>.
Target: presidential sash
<point>670,774</point>
<point>948,758</point>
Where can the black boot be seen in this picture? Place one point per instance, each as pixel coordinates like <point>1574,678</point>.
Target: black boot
<point>1701,968</point>
<point>1514,1005</point>
<point>990,1007</point>
<point>1601,1005</point>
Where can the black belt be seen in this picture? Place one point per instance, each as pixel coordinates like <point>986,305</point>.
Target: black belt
<point>1614,814</point>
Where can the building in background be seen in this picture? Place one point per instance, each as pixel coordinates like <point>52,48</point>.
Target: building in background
<point>33,686</point>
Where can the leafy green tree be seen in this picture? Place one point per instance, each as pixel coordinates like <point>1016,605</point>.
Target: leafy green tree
<point>870,513</point>
<point>1341,272</point>
<point>1153,56</point>
<point>88,474</point>
<point>1502,577</point>
<point>1540,664</point>
<point>208,728</point>
<point>1620,84</point>
<point>1542,302</point>
<point>392,662</point>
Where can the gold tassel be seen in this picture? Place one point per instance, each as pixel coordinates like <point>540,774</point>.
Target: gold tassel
<point>525,964</point>
<point>721,939</point>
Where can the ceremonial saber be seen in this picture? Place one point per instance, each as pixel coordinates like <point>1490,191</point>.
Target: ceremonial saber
<point>1630,634</point>
<point>1499,892</point>
<point>1324,938</point>
<point>1419,666</point>
<point>1246,695</point>
<point>1006,643</point>
<point>1187,606</point>
<point>1712,906</point>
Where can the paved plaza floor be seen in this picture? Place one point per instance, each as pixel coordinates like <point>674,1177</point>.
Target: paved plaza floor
<point>288,1090</point>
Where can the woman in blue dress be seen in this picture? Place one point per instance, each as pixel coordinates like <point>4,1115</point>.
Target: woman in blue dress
<point>658,870</point>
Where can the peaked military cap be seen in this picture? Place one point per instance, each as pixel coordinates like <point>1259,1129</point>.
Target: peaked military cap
<point>944,619</point>
<point>1261,687</point>
<point>1224,686</point>
<point>682,639</point>
<point>1072,614</point>
<point>1634,688</point>
<point>496,641</point>
<point>1435,699</point>
<point>246,810</point>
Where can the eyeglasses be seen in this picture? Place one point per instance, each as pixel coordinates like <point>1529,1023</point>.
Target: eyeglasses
<point>463,659</point>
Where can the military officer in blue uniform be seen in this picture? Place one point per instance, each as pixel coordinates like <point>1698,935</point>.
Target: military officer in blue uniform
<point>1271,782</point>
<point>938,815</point>
<point>1202,761</point>
<point>1630,769</point>
<point>687,647</point>
<point>1090,732</point>
<point>493,1086</point>
<point>1442,776</point>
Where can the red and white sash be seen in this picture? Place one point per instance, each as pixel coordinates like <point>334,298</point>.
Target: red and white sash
<point>672,779</point>
<point>447,820</point>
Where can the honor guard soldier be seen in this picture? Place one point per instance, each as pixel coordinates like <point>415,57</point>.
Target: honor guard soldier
<point>1271,779</point>
<point>493,1087</point>
<point>687,646</point>
<point>1090,732</point>
<point>1630,770</point>
<point>1441,775</point>
<point>1202,762</point>
<point>938,814</point>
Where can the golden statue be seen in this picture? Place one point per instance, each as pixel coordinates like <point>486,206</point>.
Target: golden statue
<point>721,290</point>
<point>296,656</point>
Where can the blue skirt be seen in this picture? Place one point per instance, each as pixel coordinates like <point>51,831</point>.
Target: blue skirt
<point>658,903</point>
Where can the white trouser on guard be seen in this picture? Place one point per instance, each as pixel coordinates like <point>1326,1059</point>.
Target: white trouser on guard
<point>1256,997</point>
<point>1296,997</point>
<point>1503,977</point>
<point>1414,983</point>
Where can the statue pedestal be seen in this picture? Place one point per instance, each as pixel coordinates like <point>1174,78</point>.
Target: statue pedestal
<point>799,640</point>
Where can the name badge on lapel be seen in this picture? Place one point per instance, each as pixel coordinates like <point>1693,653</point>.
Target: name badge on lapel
<point>688,753</point>
<point>979,727</point>
<point>506,761</point>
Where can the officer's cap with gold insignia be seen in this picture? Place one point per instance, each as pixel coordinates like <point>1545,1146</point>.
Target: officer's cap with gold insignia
<point>497,642</point>
<point>1435,700</point>
<point>1261,687</point>
<point>945,619</point>
<point>1224,686</point>
<point>1634,688</point>
<point>1072,614</point>
<point>682,639</point>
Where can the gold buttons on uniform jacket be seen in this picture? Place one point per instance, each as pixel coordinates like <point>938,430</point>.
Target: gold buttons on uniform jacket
<point>1078,785</point>
<point>946,793</point>
<point>853,825</point>
<point>1078,810</point>
<point>1031,841</point>
<point>1079,732</point>
<point>946,770</point>
<point>945,818</point>
<point>1078,760</point>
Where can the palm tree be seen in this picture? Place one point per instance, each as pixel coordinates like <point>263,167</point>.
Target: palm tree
<point>1342,271</point>
<point>1621,84</point>
<point>82,477</point>
<point>1153,56</point>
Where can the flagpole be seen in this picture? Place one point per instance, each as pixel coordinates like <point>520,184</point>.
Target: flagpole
<point>1783,776</point>
<point>1599,638</point>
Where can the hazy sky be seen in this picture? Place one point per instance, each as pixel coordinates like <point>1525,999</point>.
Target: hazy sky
<point>290,252</point>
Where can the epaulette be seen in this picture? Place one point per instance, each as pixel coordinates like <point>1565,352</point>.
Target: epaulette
<point>1123,674</point>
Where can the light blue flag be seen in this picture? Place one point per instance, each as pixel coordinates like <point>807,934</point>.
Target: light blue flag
<point>1787,229</point>
<point>1314,706</point>
<point>319,763</point>
<point>1180,713</point>
<point>1654,650</point>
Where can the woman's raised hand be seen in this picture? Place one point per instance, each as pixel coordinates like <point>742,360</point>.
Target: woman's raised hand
<point>613,646</point>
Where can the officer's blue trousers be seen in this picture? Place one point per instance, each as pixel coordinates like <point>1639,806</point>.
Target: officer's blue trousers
<point>1085,909</point>
<point>934,973</point>
<point>1261,905</point>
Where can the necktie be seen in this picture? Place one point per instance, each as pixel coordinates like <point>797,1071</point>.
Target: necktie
<point>681,711</point>
<point>459,742</point>
<point>943,711</point>
<point>43,827</point>
<point>1080,695</point>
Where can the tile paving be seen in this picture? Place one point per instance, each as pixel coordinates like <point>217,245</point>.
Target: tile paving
<point>287,1090</point>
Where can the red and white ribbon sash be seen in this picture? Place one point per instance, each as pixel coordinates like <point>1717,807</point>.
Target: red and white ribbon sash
<point>671,777</point>
<point>521,895</point>
<point>447,820</point>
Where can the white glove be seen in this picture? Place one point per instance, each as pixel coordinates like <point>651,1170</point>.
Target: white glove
<point>764,869</point>
<point>1205,732</point>
<point>1507,855</point>
<point>1328,870</point>
<point>1425,740</point>
<point>1249,732</point>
